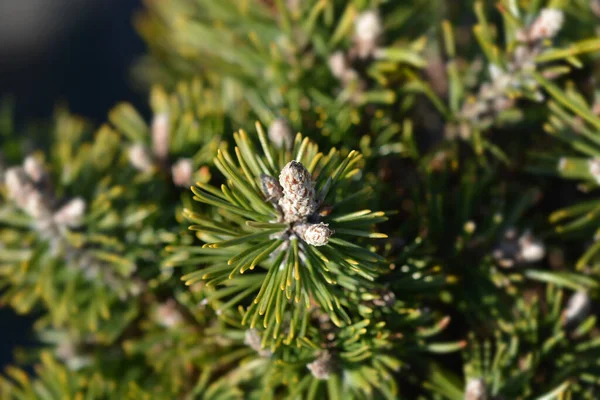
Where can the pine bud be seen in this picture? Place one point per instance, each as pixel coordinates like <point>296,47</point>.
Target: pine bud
<point>367,32</point>
<point>140,158</point>
<point>35,206</point>
<point>34,169</point>
<point>252,339</point>
<point>71,213</point>
<point>182,172</point>
<point>578,307</point>
<point>547,24</point>
<point>160,135</point>
<point>340,68</point>
<point>530,249</point>
<point>316,234</point>
<point>322,367</point>
<point>337,64</point>
<point>21,190</point>
<point>476,390</point>
<point>167,314</point>
<point>271,188</point>
<point>280,134</point>
<point>593,167</point>
<point>298,201</point>
<point>17,184</point>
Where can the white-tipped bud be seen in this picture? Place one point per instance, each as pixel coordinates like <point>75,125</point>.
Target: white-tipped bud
<point>476,390</point>
<point>168,315</point>
<point>182,172</point>
<point>17,184</point>
<point>252,339</point>
<point>578,307</point>
<point>140,158</point>
<point>531,249</point>
<point>547,24</point>
<point>35,205</point>
<point>71,214</point>
<point>337,64</point>
<point>315,234</point>
<point>594,168</point>
<point>299,195</point>
<point>34,169</point>
<point>280,134</point>
<point>341,68</point>
<point>21,190</point>
<point>160,135</point>
<point>271,188</point>
<point>367,32</point>
<point>322,367</point>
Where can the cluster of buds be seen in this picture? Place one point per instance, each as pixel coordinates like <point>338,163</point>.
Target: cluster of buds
<point>30,190</point>
<point>368,30</point>
<point>323,366</point>
<point>145,160</point>
<point>295,196</point>
<point>517,250</point>
<point>253,340</point>
<point>496,96</point>
<point>29,187</point>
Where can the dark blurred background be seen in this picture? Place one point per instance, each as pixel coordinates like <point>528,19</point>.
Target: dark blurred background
<point>74,52</point>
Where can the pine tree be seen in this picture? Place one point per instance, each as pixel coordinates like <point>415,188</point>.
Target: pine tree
<point>330,200</point>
